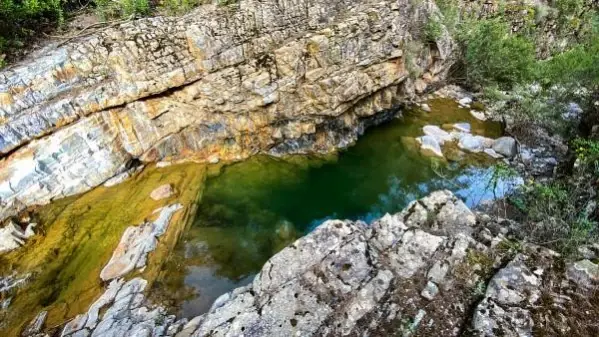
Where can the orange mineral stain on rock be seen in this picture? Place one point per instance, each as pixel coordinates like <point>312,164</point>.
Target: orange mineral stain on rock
<point>6,99</point>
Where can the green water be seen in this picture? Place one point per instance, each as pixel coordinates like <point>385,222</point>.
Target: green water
<point>254,208</point>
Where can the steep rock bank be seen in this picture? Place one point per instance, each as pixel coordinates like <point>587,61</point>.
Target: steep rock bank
<point>221,83</point>
<point>436,268</point>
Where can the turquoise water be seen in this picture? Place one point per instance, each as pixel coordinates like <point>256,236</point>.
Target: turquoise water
<point>252,209</point>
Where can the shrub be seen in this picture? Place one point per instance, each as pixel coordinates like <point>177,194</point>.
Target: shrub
<point>432,30</point>
<point>178,7</point>
<point>557,216</point>
<point>107,9</point>
<point>494,56</point>
<point>18,19</point>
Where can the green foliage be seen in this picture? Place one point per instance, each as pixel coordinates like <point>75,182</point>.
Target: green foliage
<point>178,7</point>
<point>587,152</point>
<point>556,215</point>
<point>494,56</point>
<point>432,30</point>
<point>19,19</point>
<point>107,9</point>
<point>575,67</point>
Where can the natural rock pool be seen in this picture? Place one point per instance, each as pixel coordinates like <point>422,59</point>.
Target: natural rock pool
<point>252,209</point>
<point>234,217</point>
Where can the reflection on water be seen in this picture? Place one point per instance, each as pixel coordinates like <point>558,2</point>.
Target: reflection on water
<point>254,208</point>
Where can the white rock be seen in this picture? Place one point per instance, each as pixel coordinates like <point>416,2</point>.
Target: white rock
<point>429,143</point>
<point>493,154</point>
<point>13,237</point>
<point>440,135</point>
<point>425,107</point>
<point>465,102</point>
<point>463,127</point>
<point>478,115</point>
<point>136,243</point>
<point>162,192</point>
<point>430,291</point>
<point>36,325</point>
<point>474,143</point>
<point>505,146</point>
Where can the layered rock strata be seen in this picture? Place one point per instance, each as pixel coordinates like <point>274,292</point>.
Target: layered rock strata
<point>223,82</point>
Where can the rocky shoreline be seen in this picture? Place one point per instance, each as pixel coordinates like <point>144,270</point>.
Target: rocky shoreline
<point>434,268</point>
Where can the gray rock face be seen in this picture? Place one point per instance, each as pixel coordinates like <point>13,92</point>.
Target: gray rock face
<point>505,146</point>
<point>124,314</point>
<point>220,83</point>
<point>417,272</point>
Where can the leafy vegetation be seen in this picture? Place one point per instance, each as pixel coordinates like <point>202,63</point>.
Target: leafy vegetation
<point>494,56</point>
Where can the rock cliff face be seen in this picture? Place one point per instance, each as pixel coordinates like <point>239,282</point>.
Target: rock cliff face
<point>435,269</point>
<point>221,83</point>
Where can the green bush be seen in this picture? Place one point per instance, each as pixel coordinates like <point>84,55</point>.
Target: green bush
<point>432,30</point>
<point>556,215</point>
<point>494,56</point>
<point>107,9</point>
<point>19,20</point>
<point>178,7</point>
<point>576,67</point>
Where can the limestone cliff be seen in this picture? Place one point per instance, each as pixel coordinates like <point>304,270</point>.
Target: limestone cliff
<point>220,83</point>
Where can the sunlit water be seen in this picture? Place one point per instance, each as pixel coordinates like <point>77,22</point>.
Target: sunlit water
<point>254,208</point>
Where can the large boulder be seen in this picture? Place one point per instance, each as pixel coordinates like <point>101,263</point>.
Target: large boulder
<point>505,146</point>
<point>474,143</point>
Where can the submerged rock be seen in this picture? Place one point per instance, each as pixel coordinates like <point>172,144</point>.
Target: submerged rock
<point>430,144</point>
<point>36,324</point>
<point>462,127</point>
<point>162,192</point>
<point>440,135</point>
<point>136,243</point>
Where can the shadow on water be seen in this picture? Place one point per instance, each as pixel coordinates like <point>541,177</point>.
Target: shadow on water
<point>253,209</point>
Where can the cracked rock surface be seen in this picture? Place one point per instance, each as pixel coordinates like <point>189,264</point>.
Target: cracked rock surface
<point>436,268</point>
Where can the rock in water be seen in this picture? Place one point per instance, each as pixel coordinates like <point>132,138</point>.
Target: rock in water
<point>430,144</point>
<point>36,324</point>
<point>162,192</point>
<point>463,127</point>
<point>505,146</point>
<point>13,237</point>
<point>493,154</point>
<point>465,102</point>
<point>136,243</point>
<point>440,135</point>
<point>474,143</point>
